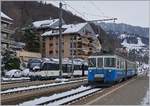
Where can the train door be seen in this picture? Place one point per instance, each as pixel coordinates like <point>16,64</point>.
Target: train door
<point>69,70</point>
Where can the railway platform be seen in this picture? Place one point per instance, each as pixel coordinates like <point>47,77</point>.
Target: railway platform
<point>134,92</point>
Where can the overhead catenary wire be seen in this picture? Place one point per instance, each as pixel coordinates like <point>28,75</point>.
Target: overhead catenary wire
<point>82,14</point>
<point>99,10</point>
<point>74,9</point>
<point>85,17</point>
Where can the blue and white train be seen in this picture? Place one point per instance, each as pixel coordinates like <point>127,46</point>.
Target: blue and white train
<point>110,69</point>
<point>49,68</point>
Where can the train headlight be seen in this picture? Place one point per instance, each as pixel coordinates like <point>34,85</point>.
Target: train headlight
<point>109,70</point>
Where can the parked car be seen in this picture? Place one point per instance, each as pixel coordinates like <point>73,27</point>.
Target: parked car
<point>13,73</point>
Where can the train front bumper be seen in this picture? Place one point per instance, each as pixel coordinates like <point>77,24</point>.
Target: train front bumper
<point>99,77</point>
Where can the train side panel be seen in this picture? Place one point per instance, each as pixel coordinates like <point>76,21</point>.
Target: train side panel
<point>105,75</point>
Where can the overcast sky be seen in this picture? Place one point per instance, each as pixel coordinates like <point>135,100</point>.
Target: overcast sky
<point>131,12</point>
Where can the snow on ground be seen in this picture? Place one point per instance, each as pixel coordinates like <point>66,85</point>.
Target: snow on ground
<point>14,79</point>
<point>61,79</point>
<point>62,101</point>
<point>38,86</point>
<point>146,99</point>
<point>144,69</point>
<point>52,97</point>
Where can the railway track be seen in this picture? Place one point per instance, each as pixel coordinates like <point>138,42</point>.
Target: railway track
<point>14,81</point>
<point>17,90</point>
<point>26,83</point>
<point>15,96</point>
<point>64,97</point>
<point>70,97</point>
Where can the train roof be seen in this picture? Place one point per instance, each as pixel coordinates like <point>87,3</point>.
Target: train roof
<point>65,61</point>
<point>106,55</point>
<point>112,55</point>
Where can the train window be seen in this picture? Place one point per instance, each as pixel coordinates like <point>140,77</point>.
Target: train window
<point>129,65</point>
<point>122,64</point>
<point>109,62</point>
<point>77,67</point>
<point>92,62</point>
<point>100,62</point>
<point>118,63</point>
<point>34,62</point>
<point>65,68</point>
<point>50,66</point>
<point>85,67</point>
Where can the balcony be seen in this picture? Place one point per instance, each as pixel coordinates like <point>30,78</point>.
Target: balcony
<point>84,43</point>
<point>6,30</point>
<point>5,40</point>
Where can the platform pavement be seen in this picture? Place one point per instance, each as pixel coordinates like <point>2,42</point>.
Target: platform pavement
<point>129,94</point>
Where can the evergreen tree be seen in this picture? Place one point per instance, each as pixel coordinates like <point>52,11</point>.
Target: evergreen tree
<point>12,63</point>
<point>32,41</point>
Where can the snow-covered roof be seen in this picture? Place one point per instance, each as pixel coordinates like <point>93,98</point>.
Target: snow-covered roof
<point>44,23</point>
<point>71,28</point>
<point>5,16</point>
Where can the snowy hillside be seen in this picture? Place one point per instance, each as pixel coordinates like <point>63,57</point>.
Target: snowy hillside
<point>122,36</point>
<point>136,46</point>
<point>130,46</point>
<point>121,27</point>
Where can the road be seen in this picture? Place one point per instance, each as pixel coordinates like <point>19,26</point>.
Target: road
<point>130,93</point>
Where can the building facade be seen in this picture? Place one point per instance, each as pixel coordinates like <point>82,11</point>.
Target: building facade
<point>78,41</point>
<point>24,56</point>
<point>39,27</point>
<point>5,31</point>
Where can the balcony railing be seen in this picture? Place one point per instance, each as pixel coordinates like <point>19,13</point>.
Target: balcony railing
<point>5,40</point>
<point>6,29</point>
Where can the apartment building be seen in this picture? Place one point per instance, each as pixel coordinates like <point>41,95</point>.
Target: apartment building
<point>6,41</point>
<point>5,31</point>
<point>78,40</point>
<point>39,27</point>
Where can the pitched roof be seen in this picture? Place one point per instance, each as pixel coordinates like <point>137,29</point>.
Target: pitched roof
<point>5,16</point>
<point>71,28</point>
<point>44,23</point>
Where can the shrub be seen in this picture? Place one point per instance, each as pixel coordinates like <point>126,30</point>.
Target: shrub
<point>13,63</point>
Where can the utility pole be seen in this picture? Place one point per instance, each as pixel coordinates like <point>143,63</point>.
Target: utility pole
<point>72,50</point>
<point>60,38</point>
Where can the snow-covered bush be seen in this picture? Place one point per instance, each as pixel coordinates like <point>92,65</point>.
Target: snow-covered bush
<point>13,73</point>
<point>26,72</point>
<point>143,69</point>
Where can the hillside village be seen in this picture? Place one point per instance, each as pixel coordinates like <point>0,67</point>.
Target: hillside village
<point>53,56</point>
<point>80,40</point>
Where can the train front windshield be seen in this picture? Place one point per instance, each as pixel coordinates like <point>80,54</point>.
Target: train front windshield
<point>109,62</point>
<point>92,62</point>
<point>33,63</point>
